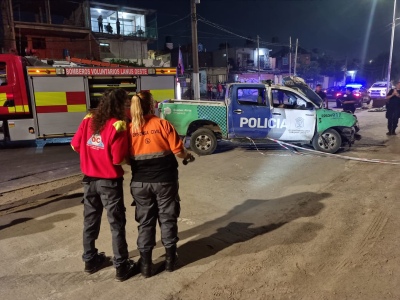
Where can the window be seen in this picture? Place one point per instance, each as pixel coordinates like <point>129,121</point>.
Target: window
<point>38,43</point>
<point>287,99</point>
<point>3,74</point>
<point>105,48</point>
<point>252,96</point>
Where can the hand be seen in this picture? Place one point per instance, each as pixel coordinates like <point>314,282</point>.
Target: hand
<point>189,157</point>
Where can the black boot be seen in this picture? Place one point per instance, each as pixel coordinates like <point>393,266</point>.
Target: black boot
<point>146,264</point>
<point>125,270</point>
<point>95,263</point>
<point>171,258</point>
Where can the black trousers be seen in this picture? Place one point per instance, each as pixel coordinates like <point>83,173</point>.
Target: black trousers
<point>156,202</point>
<point>392,114</point>
<point>108,194</point>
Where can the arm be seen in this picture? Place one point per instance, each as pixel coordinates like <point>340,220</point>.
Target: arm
<point>391,93</point>
<point>119,143</point>
<point>76,140</point>
<point>176,143</point>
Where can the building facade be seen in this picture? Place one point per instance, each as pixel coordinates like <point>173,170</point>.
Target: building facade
<point>81,28</point>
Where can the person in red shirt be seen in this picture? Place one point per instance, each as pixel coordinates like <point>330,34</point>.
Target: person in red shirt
<point>102,143</point>
<point>209,90</point>
<point>219,89</point>
<point>154,146</point>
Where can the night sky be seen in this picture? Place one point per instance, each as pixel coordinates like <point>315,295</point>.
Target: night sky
<point>336,27</point>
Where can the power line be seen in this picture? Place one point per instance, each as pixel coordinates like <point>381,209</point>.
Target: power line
<point>174,22</point>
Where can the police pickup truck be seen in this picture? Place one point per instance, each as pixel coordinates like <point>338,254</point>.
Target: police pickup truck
<point>291,112</point>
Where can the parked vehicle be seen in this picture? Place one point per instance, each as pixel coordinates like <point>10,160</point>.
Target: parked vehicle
<point>42,102</point>
<point>378,90</point>
<point>291,112</point>
<point>359,92</point>
<point>332,92</point>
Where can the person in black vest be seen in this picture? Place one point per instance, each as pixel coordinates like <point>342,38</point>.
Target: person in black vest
<point>348,101</point>
<point>393,109</point>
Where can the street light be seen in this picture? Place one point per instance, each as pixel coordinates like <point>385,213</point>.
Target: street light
<point>391,46</point>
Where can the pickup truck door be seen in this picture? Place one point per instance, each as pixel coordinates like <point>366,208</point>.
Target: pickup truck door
<point>249,111</point>
<point>294,116</point>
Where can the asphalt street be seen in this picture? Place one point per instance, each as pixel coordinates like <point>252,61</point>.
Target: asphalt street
<point>254,221</point>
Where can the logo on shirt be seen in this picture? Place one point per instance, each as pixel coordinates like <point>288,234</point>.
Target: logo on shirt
<point>147,141</point>
<point>95,142</point>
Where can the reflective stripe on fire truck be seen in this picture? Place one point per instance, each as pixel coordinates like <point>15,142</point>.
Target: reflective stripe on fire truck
<point>51,102</point>
<point>3,99</point>
<point>41,71</point>
<point>18,109</point>
<point>166,71</point>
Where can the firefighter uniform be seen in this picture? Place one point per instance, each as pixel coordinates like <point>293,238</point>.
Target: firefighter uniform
<point>101,157</point>
<point>154,184</point>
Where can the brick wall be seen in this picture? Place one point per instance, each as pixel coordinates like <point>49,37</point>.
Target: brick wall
<point>77,47</point>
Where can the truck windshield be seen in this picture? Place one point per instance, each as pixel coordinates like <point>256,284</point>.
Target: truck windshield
<point>299,84</point>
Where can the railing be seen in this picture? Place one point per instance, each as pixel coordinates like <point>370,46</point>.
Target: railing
<point>125,29</point>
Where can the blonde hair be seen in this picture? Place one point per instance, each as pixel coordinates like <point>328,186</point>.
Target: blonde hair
<point>141,105</point>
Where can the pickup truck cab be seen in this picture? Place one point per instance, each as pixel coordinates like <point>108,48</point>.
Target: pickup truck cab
<point>291,112</point>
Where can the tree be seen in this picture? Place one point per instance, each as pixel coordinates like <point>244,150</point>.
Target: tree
<point>310,71</point>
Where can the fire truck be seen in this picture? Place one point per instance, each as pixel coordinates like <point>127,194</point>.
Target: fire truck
<point>46,102</point>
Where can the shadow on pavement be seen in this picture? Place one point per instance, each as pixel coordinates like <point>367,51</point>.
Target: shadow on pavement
<point>28,226</point>
<point>216,235</point>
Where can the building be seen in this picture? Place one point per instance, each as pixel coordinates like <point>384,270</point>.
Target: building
<point>282,58</point>
<point>56,29</point>
<point>242,58</point>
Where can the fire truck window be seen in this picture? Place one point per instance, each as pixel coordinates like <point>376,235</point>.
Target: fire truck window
<point>3,74</point>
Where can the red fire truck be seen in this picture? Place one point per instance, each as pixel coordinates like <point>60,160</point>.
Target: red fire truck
<point>43,102</point>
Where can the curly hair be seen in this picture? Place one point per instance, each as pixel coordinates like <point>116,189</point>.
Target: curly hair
<point>112,105</point>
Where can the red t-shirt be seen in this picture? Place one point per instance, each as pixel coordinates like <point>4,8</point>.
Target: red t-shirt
<point>102,154</point>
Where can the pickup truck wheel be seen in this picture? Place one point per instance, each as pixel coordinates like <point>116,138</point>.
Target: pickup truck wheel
<point>203,141</point>
<point>330,141</point>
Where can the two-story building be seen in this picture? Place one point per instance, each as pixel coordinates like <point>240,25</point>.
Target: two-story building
<point>79,28</point>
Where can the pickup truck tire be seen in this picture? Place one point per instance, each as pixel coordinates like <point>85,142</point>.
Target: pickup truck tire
<point>330,141</point>
<point>203,141</point>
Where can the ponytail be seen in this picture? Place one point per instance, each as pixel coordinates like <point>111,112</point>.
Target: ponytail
<point>136,113</point>
<point>142,104</point>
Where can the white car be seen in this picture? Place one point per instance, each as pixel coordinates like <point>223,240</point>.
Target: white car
<point>378,90</point>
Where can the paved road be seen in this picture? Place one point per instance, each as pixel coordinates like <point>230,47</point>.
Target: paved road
<point>25,165</point>
<point>255,224</point>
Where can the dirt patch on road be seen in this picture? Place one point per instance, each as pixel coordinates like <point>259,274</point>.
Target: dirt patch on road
<point>20,199</point>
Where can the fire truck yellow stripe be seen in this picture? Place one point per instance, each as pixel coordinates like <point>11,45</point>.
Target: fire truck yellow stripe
<point>161,95</point>
<point>41,71</point>
<point>50,98</point>
<point>166,71</point>
<point>18,109</point>
<point>77,108</point>
<point>3,99</point>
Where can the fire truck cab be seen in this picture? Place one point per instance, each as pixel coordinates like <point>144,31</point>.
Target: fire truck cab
<point>43,102</point>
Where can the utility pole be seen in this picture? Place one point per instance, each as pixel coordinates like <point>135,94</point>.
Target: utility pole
<point>195,53</point>
<point>290,56</point>
<point>295,57</point>
<point>258,58</point>
<point>227,61</point>
<point>48,12</point>
<point>389,86</point>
